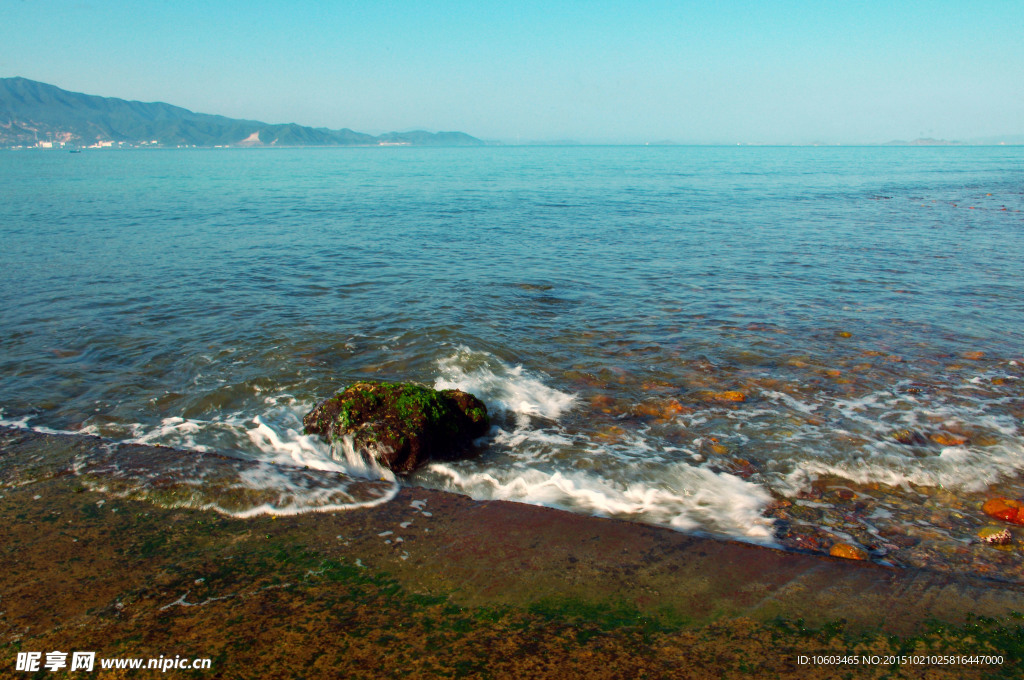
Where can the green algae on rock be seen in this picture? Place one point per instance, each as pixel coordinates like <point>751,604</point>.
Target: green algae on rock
<point>401,425</point>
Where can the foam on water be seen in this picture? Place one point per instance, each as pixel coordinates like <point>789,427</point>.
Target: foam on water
<point>793,437</point>
<point>541,450</point>
<point>23,423</point>
<point>682,496</point>
<point>279,471</point>
<point>173,431</point>
<point>853,438</point>
<point>957,468</point>
<point>232,487</point>
<point>536,459</point>
<point>504,388</point>
<point>292,447</point>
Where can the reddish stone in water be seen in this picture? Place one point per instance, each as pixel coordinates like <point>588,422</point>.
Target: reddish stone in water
<point>662,409</point>
<point>602,402</point>
<point>734,396</point>
<point>847,551</point>
<point>742,468</point>
<point>673,407</point>
<point>647,409</point>
<point>612,433</point>
<point>909,437</point>
<point>947,439</point>
<point>1005,509</point>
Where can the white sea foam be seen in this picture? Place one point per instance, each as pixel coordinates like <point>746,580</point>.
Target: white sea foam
<point>173,431</point>
<point>817,449</point>
<point>292,447</point>
<point>686,497</point>
<point>532,439</point>
<point>255,488</point>
<point>954,467</point>
<point>509,389</point>
<point>293,472</point>
<point>296,499</point>
<point>533,456</point>
<point>20,422</point>
<point>790,401</point>
<point>23,423</point>
<point>539,461</point>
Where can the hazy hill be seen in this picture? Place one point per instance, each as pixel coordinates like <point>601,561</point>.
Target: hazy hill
<point>32,112</point>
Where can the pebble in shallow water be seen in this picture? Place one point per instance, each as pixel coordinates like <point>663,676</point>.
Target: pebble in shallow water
<point>1005,509</point>
<point>847,551</point>
<point>996,535</point>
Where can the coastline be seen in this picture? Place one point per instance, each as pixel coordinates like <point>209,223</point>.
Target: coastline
<point>434,584</point>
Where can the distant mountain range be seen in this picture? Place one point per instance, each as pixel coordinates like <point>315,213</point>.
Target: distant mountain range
<point>37,114</point>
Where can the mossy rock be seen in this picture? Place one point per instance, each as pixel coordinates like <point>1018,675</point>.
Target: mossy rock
<point>401,425</point>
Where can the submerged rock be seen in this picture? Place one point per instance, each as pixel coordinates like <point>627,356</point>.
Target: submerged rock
<point>910,437</point>
<point>947,439</point>
<point>661,410</point>
<point>726,397</point>
<point>1005,509</point>
<point>847,551</point>
<point>995,535</point>
<point>401,425</point>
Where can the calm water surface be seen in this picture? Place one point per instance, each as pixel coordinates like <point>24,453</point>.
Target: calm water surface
<point>795,346</point>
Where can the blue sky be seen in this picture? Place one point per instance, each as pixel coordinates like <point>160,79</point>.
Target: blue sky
<point>600,71</point>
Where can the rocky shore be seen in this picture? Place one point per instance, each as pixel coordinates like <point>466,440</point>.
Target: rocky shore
<point>430,584</point>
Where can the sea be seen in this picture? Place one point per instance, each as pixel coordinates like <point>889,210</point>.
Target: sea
<point>793,346</point>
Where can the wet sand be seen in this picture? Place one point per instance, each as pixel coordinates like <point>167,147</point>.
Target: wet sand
<point>431,584</point>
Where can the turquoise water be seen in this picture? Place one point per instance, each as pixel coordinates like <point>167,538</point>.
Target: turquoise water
<point>600,299</point>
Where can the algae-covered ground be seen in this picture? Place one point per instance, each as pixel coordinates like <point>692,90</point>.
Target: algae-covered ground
<point>437,585</point>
